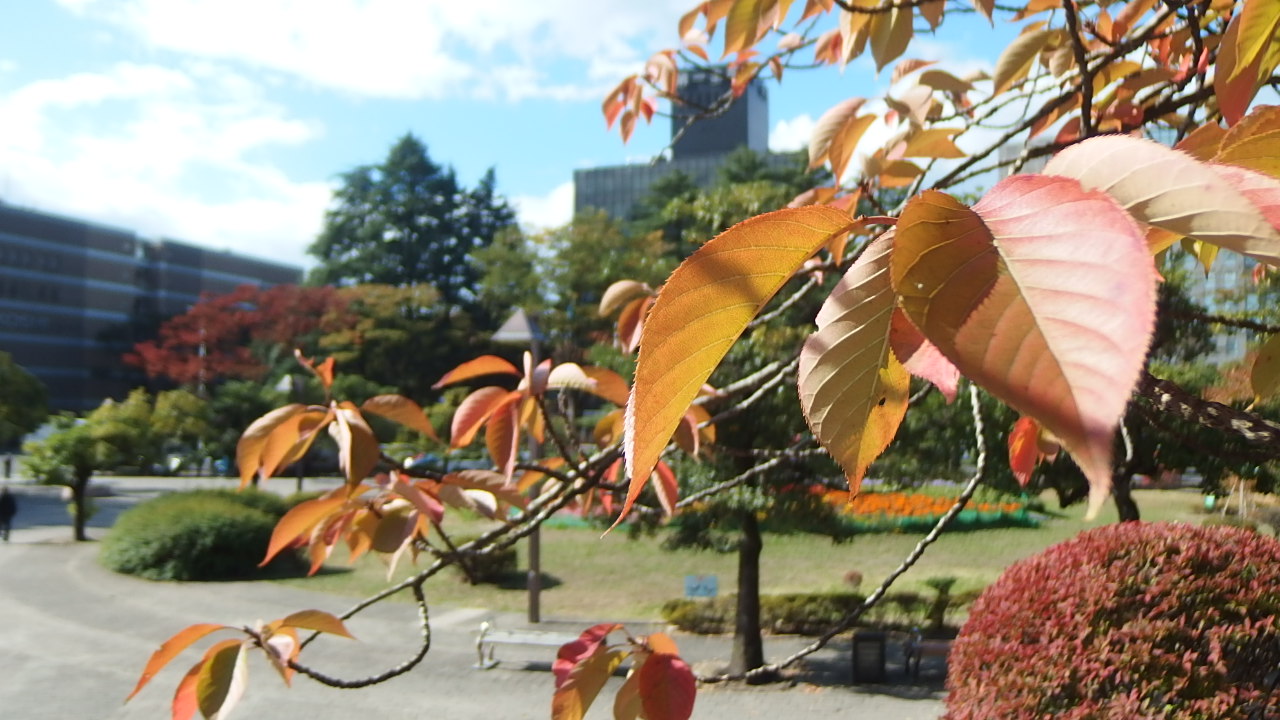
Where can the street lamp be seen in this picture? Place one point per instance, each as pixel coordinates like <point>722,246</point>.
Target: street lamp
<point>520,329</point>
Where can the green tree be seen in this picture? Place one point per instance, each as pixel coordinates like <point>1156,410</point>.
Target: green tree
<point>407,221</point>
<point>181,420</point>
<point>560,274</point>
<point>68,457</point>
<point>124,433</point>
<point>23,402</point>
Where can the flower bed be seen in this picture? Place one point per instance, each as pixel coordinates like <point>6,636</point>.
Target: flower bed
<point>895,510</point>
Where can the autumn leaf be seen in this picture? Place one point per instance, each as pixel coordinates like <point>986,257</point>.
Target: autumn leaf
<point>171,648</point>
<point>1024,449</point>
<point>1170,190</point>
<point>667,688</point>
<point>475,411</point>
<point>1252,143</point>
<point>479,367</point>
<point>253,441</point>
<point>702,309</point>
<point>358,448</point>
<point>890,34</point>
<point>402,410</point>
<point>1265,375</point>
<point>933,143</point>
<point>853,391</point>
<point>1015,61</point>
<point>832,122</point>
<point>578,688</point>
<point>221,682</point>
<point>1259,22</point>
<point>1053,311</point>
<point>317,620</point>
<point>299,521</point>
<point>920,358</point>
<point>290,440</point>
<point>742,26</point>
<point>620,294</point>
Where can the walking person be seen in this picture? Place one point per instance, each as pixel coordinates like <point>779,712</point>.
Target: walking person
<point>8,508</point>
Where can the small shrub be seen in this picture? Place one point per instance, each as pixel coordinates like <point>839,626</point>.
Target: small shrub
<point>292,500</point>
<point>1126,621</point>
<point>794,614</point>
<point>267,502</point>
<point>200,535</point>
<point>1229,521</point>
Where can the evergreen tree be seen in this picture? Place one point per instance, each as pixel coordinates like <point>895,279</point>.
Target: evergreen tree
<point>408,222</point>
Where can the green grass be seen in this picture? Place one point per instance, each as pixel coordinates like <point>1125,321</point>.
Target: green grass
<point>614,577</point>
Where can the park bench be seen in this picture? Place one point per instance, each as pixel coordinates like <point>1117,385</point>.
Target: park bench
<point>915,648</point>
<point>491,636</point>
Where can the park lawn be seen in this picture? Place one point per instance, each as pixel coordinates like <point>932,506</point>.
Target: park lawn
<point>617,578</point>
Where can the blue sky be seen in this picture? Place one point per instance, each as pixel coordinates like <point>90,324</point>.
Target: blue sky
<point>226,122</point>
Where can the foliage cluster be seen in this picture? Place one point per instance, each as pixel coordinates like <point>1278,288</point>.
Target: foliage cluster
<point>1130,620</point>
<point>196,535</point>
<point>23,402</point>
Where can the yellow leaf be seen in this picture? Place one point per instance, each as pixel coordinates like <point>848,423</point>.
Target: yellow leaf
<point>222,679</point>
<point>934,143</point>
<point>358,447</point>
<point>317,620</point>
<point>702,309</point>
<point>1265,376</point>
<point>1259,23</point>
<point>845,142</point>
<point>1015,62</point>
<point>1252,143</point>
<point>853,391</point>
<point>742,26</point>
<point>890,35</point>
<point>620,293</point>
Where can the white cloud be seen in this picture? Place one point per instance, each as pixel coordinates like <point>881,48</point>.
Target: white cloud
<point>406,49</point>
<point>791,135</point>
<point>544,211</point>
<point>162,151</point>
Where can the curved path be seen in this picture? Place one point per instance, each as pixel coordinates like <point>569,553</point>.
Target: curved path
<point>74,637</point>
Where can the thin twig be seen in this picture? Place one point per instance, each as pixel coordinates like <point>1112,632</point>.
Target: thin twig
<point>424,617</point>
<point>852,618</point>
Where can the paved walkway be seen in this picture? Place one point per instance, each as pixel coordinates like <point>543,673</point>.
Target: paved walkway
<point>75,637</point>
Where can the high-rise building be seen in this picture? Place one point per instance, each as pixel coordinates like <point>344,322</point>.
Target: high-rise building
<point>698,148</point>
<point>75,296</point>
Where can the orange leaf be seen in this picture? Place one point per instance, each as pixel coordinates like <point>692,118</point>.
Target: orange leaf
<point>490,482</point>
<point>1053,312</point>
<point>702,309</point>
<point>402,410</point>
<point>1015,61</point>
<point>475,411</point>
<point>170,649</point>
<point>358,447</point>
<point>299,521</point>
<point>934,143</point>
<point>291,440</point>
<point>184,697</point>
<point>581,669</point>
<point>743,25</point>
<point>479,367</point>
<point>828,126</point>
<point>666,487</point>
<point>502,437</point>
<point>1024,449</point>
<point>253,441</point>
<point>608,385</point>
<point>316,620</point>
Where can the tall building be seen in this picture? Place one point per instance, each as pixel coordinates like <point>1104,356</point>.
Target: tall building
<point>76,296</point>
<point>698,150</point>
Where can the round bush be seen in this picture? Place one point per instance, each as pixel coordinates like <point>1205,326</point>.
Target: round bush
<point>1135,620</point>
<point>191,536</point>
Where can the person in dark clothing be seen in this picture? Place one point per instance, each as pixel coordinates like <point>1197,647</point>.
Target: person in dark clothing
<point>8,508</point>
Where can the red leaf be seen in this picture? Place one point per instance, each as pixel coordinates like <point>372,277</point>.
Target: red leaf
<point>572,653</point>
<point>667,688</point>
<point>475,411</point>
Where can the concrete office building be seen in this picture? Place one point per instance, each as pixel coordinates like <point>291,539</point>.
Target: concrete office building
<point>76,296</point>
<point>698,150</point>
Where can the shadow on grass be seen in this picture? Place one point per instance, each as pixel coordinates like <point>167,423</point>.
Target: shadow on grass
<point>519,580</point>
<point>836,670</point>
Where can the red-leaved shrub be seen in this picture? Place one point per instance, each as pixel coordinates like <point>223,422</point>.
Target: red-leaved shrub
<point>1136,620</point>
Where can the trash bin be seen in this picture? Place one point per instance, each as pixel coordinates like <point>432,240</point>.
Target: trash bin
<point>868,656</point>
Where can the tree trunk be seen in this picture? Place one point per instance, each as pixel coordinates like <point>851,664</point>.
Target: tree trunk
<point>80,505</point>
<point>748,648</point>
<point>1121,487</point>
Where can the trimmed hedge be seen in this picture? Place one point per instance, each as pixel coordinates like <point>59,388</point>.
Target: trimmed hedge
<point>196,535</point>
<point>1134,620</point>
<point>815,613</point>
